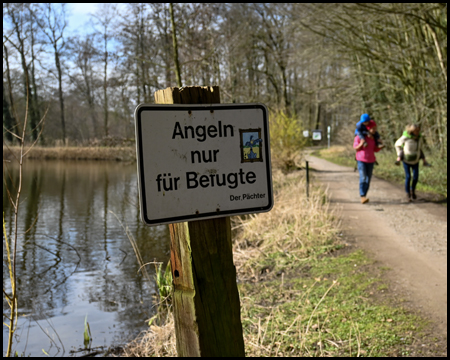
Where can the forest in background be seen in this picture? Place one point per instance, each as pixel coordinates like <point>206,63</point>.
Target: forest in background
<point>321,64</point>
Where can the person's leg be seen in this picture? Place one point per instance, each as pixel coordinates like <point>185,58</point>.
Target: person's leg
<point>363,182</point>
<point>407,169</point>
<point>415,179</point>
<point>369,171</point>
<point>378,141</point>
<point>362,178</point>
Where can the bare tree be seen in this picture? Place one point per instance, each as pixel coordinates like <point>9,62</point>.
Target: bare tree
<point>395,53</point>
<point>136,49</point>
<point>8,121</point>
<point>35,97</point>
<point>175,47</point>
<point>9,112</point>
<point>17,38</point>
<point>104,19</point>
<point>51,18</point>
<point>162,24</point>
<point>323,64</point>
<point>83,54</point>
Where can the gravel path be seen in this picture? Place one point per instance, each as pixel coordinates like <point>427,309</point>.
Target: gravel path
<point>408,238</point>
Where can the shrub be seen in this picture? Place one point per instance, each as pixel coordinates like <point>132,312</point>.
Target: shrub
<point>286,140</point>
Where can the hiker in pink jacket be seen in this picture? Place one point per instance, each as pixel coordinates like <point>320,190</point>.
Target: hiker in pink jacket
<point>365,156</point>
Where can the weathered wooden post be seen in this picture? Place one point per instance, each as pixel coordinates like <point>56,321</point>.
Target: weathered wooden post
<point>307,179</point>
<point>206,300</point>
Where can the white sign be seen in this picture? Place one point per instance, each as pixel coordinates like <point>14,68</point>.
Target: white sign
<point>305,133</point>
<point>317,135</point>
<point>202,161</point>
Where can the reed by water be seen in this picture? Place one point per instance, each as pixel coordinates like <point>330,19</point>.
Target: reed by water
<point>122,153</point>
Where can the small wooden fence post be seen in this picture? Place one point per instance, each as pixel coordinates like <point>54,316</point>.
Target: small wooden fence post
<point>307,179</point>
<point>206,304</point>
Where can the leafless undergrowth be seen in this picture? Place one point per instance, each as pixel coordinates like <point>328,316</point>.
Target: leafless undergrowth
<point>14,192</point>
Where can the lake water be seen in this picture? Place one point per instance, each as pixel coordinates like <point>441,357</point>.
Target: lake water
<point>75,259</point>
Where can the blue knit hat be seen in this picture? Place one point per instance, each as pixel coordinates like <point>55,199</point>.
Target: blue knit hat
<point>364,118</point>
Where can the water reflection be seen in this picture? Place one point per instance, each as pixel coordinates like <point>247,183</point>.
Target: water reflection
<point>74,257</point>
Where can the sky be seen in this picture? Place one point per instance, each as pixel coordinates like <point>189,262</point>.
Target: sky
<point>80,22</point>
<point>78,16</point>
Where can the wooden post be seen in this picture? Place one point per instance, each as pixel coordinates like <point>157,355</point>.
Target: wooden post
<point>206,305</point>
<point>307,179</point>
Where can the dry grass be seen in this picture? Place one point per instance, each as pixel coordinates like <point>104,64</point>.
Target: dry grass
<point>340,150</point>
<point>74,153</point>
<point>157,341</point>
<point>295,226</point>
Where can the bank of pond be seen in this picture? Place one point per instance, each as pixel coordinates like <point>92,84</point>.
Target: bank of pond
<point>123,153</point>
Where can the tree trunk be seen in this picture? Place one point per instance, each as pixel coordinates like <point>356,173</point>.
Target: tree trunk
<point>60,93</point>
<point>11,109</point>
<point>35,98</point>
<point>175,47</point>
<point>105,89</point>
<point>26,78</point>
<point>8,122</point>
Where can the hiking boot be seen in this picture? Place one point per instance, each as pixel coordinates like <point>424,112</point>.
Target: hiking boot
<point>413,195</point>
<point>397,163</point>
<point>426,164</point>
<point>364,200</point>
<point>408,197</point>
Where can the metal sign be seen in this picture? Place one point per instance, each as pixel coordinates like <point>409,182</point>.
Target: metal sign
<point>328,135</point>
<point>202,161</point>
<point>317,135</point>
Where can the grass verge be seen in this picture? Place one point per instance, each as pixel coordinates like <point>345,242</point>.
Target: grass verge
<point>432,180</point>
<point>303,292</point>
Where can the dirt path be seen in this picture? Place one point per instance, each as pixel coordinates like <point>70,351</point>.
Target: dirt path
<point>408,238</point>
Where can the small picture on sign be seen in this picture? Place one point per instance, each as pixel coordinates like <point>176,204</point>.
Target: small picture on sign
<point>251,145</point>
